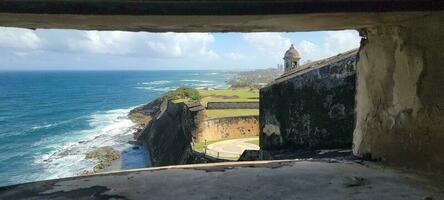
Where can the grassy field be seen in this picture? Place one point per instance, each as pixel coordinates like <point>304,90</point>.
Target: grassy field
<point>254,141</point>
<point>229,95</point>
<point>199,146</point>
<point>219,113</point>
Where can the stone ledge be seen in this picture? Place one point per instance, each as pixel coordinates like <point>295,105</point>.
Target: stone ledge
<point>286,179</point>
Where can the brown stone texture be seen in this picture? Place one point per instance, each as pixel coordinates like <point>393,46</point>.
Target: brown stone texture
<point>229,127</point>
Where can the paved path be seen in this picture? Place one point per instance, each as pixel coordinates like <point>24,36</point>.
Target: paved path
<point>230,148</point>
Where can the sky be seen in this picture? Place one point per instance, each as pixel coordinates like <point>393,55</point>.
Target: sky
<point>55,49</point>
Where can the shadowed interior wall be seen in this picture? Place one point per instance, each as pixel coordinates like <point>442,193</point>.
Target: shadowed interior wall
<point>400,94</point>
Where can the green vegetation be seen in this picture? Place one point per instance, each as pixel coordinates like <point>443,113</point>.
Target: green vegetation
<point>105,155</point>
<point>219,113</point>
<point>254,141</point>
<point>183,94</point>
<point>229,95</point>
<point>199,146</point>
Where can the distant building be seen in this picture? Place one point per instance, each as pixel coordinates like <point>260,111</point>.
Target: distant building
<point>280,67</point>
<point>291,59</point>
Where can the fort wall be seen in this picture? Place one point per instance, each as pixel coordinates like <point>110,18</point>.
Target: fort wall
<point>311,108</point>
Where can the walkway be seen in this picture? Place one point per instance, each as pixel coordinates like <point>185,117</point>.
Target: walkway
<point>230,148</point>
<point>239,180</point>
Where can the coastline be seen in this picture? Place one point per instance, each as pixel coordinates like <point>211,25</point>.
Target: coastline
<point>110,128</point>
<point>49,139</point>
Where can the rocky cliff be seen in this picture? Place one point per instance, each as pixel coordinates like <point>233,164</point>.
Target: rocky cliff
<point>167,136</point>
<point>312,108</point>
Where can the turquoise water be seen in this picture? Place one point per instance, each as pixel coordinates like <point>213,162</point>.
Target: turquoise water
<point>49,119</point>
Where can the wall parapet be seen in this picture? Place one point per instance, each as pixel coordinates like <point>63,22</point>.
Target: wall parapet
<point>233,105</point>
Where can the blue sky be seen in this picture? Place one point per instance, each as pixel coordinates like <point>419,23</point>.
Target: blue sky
<point>49,49</point>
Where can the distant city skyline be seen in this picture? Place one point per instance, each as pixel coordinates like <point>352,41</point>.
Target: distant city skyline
<point>52,49</point>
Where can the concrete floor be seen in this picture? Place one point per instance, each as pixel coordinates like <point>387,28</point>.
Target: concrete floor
<point>240,180</point>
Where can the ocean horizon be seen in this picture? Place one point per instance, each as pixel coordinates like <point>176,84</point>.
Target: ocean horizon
<point>49,119</point>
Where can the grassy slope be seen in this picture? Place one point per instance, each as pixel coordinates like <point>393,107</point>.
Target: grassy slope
<point>254,141</point>
<point>228,95</point>
<point>219,113</point>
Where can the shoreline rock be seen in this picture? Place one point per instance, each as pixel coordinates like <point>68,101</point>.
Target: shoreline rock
<point>106,155</point>
<point>143,114</point>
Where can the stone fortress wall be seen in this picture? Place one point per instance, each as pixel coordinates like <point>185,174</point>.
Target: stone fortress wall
<point>173,127</point>
<point>229,127</point>
<point>310,108</point>
<point>167,137</point>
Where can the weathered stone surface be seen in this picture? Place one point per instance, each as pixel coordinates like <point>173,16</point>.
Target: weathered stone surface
<point>104,155</point>
<point>169,134</point>
<point>252,155</point>
<point>312,108</point>
<point>229,127</point>
<point>141,115</point>
<point>241,180</point>
<point>400,94</point>
<point>211,16</point>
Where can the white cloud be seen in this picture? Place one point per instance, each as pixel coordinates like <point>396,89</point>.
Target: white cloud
<point>270,44</point>
<point>334,43</point>
<point>19,38</point>
<point>156,45</point>
<point>235,56</point>
<point>179,44</point>
<point>307,47</point>
<point>110,42</point>
<point>340,41</point>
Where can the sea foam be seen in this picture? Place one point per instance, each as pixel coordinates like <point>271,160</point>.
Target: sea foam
<point>110,128</point>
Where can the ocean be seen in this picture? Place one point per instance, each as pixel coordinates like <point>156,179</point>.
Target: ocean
<point>50,119</point>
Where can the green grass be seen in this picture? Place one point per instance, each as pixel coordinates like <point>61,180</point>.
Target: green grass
<point>229,95</point>
<point>226,95</point>
<point>219,113</point>
<point>199,146</point>
<point>254,141</point>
